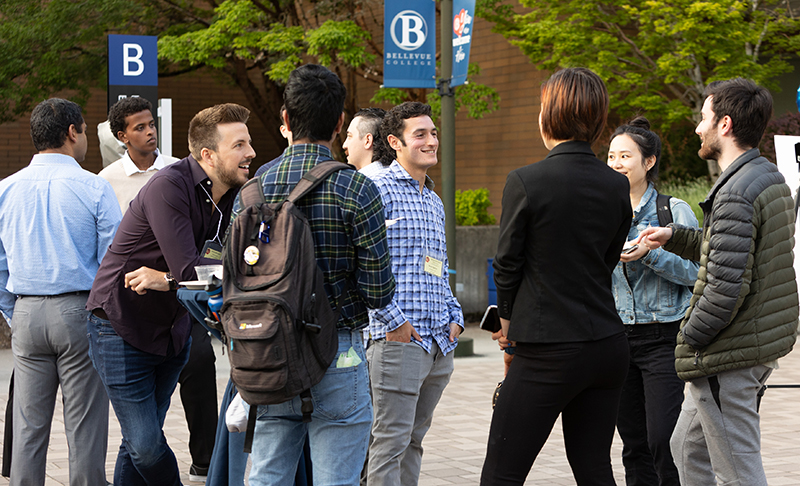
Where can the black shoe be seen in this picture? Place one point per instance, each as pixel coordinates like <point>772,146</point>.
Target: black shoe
<point>198,473</point>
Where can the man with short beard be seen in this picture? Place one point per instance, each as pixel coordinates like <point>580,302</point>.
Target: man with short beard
<point>139,334</point>
<point>743,315</point>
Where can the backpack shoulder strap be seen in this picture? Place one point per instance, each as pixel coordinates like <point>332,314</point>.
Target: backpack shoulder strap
<point>252,193</point>
<point>314,177</point>
<point>664,210</point>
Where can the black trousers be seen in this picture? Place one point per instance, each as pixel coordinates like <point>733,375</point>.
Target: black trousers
<point>579,381</point>
<point>650,405</point>
<point>199,396</point>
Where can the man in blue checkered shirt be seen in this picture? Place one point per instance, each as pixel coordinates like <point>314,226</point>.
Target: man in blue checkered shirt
<point>411,356</point>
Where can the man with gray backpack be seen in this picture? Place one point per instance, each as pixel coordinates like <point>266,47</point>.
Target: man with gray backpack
<point>299,374</point>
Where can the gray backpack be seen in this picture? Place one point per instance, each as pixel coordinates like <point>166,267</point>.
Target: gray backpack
<point>280,328</point>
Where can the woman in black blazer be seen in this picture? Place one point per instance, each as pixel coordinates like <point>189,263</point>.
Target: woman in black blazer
<point>564,222</point>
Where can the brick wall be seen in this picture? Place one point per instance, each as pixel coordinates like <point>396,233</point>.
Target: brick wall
<point>487,149</point>
<point>190,93</point>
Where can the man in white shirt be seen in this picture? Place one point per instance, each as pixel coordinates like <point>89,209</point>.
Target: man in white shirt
<point>131,121</point>
<point>363,145</point>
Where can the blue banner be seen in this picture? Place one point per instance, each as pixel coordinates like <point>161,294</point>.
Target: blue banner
<point>409,44</point>
<point>132,60</point>
<point>463,12</point>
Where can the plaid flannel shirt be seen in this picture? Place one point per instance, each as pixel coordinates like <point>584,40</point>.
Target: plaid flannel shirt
<point>346,219</point>
<point>415,228</point>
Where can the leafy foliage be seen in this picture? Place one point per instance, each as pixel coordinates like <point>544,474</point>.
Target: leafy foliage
<point>478,99</point>
<point>656,56</point>
<point>51,46</point>
<point>47,46</point>
<point>472,208</point>
<point>693,191</point>
<point>274,38</point>
<point>788,124</point>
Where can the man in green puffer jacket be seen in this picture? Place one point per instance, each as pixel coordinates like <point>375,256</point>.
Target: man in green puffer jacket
<point>744,312</point>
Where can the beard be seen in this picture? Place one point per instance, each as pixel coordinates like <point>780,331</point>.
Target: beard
<point>231,177</point>
<point>710,148</point>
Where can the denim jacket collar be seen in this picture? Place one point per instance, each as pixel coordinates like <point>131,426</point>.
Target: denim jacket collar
<point>649,194</point>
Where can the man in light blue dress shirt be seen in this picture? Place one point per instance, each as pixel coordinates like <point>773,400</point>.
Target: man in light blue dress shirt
<point>411,356</point>
<point>56,223</point>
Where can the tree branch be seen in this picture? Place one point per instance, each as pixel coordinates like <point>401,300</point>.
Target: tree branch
<point>170,74</point>
<point>188,13</point>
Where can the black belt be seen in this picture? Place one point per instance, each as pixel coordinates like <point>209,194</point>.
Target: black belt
<point>65,294</point>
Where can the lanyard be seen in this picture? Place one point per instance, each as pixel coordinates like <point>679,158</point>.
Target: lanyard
<point>219,223</point>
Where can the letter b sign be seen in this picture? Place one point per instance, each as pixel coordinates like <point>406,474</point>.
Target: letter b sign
<point>132,55</point>
<point>132,60</point>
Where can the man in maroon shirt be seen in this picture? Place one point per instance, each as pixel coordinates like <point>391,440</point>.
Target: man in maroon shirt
<point>139,333</point>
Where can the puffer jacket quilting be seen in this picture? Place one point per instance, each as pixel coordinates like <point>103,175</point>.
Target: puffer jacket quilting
<point>744,310</point>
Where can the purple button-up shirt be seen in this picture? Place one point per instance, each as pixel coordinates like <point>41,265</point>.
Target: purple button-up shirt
<point>165,228</point>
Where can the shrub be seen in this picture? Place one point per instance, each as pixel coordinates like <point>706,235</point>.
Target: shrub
<point>471,208</point>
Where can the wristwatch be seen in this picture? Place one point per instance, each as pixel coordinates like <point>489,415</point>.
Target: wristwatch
<point>173,284</point>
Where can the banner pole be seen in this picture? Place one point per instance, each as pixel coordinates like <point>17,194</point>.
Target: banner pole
<point>447,146</point>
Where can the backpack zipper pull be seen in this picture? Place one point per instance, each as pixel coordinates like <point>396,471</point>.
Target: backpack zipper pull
<point>263,232</point>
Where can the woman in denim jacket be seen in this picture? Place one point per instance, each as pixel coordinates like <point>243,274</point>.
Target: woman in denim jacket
<point>652,289</point>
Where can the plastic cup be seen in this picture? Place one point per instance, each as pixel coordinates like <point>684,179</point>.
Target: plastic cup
<point>204,272</point>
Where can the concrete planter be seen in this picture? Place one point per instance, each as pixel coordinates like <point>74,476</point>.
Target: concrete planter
<point>474,245</point>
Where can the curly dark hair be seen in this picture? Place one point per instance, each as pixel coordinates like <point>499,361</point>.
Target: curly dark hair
<point>395,122</point>
<point>123,109</point>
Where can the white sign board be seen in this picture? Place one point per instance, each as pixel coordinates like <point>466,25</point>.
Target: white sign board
<point>787,149</point>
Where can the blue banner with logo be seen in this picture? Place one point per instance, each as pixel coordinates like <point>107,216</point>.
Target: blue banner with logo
<point>463,12</point>
<point>409,44</point>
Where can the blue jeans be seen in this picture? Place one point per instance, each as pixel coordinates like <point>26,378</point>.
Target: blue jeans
<point>140,386</point>
<point>338,431</point>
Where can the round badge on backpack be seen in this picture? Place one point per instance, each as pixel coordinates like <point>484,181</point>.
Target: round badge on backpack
<point>251,255</point>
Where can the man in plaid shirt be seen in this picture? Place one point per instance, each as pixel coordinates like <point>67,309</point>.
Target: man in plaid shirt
<point>347,223</point>
<point>411,357</point>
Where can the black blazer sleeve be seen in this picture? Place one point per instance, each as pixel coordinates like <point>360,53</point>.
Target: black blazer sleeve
<point>511,247</point>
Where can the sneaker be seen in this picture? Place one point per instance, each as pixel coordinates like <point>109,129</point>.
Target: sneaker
<point>198,473</point>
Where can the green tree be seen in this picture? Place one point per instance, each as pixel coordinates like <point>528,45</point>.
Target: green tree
<point>257,44</point>
<point>656,56</point>
<point>48,47</point>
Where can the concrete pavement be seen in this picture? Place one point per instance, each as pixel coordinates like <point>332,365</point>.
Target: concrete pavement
<point>456,443</point>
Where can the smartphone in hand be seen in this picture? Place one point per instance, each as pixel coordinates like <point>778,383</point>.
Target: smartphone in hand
<point>491,320</point>
<point>630,249</point>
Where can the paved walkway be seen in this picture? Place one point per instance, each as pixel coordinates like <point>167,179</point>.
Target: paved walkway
<point>456,444</point>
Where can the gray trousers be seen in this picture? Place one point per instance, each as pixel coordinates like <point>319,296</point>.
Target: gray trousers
<point>718,432</point>
<point>50,347</point>
<point>407,384</point>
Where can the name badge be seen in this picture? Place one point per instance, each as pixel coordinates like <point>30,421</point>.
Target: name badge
<point>212,250</point>
<point>433,266</point>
